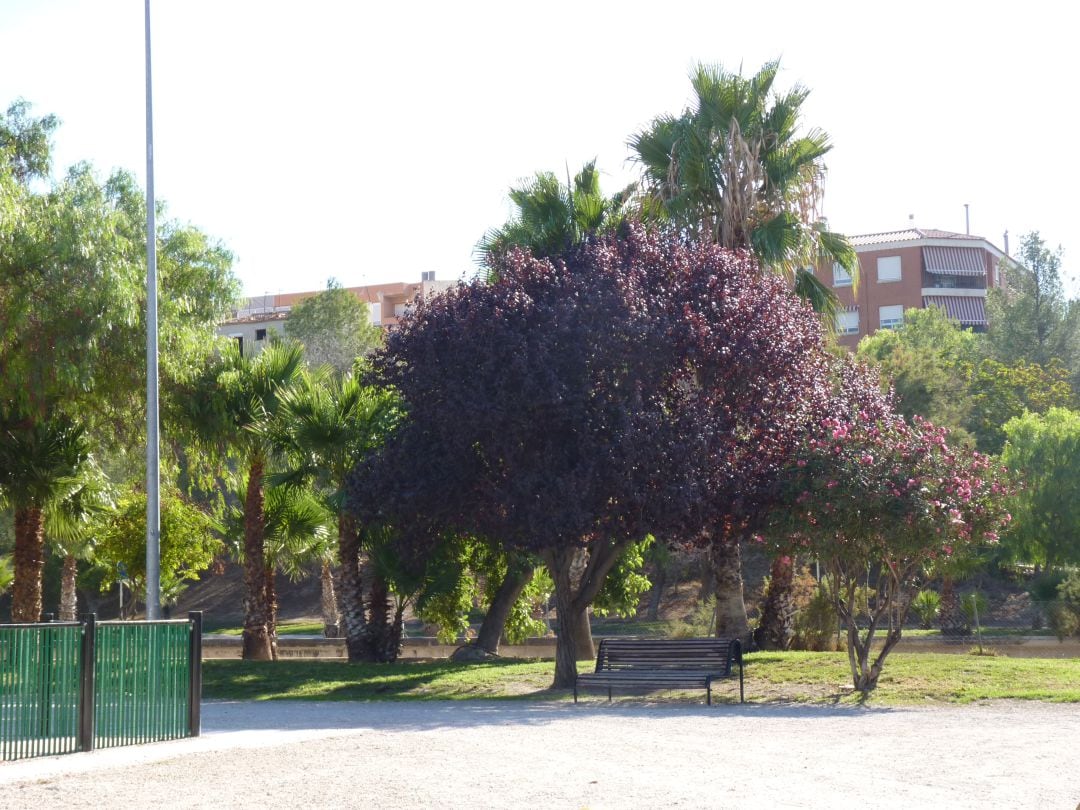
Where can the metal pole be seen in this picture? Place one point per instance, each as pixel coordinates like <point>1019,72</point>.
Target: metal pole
<point>153,461</point>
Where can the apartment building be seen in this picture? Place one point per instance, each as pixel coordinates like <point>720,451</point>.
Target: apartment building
<point>918,268</point>
<point>259,317</point>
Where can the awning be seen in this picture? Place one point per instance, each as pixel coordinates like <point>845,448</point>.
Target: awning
<point>950,261</point>
<point>969,310</point>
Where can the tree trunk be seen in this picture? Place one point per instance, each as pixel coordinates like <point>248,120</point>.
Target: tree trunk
<point>331,617</point>
<point>777,628</point>
<point>383,627</point>
<point>352,589</point>
<point>68,596</point>
<point>257,645</point>
<point>518,575</point>
<point>29,564</point>
<point>559,564</point>
<point>951,617</point>
<point>272,603</point>
<point>725,558</point>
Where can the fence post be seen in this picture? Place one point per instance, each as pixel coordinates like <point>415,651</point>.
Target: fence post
<point>195,674</point>
<point>86,683</point>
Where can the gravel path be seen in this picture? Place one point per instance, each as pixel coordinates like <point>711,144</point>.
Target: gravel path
<point>596,755</point>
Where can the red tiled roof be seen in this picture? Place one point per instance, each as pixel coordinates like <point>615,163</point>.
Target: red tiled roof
<point>969,310</point>
<point>954,261</point>
<point>908,235</point>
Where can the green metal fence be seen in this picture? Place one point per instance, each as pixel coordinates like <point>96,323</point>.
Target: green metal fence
<point>68,687</point>
<point>39,689</point>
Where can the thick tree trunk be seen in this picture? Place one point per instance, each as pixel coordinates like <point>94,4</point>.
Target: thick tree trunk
<point>29,564</point>
<point>352,590</point>
<point>725,557</point>
<point>384,627</point>
<point>560,564</point>
<point>257,645</point>
<point>777,628</point>
<point>518,575</point>
<point>331,617</point>
<point>574,641</point>
<point>68,596</point>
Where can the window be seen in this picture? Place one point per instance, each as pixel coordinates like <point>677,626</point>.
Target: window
<point>401,310</point>
<point>260,334</point>
<point>239,343</point>
<point>840,276</point>
<point>888,268</point>
<point>891,317</point>
<point>376,312</point>
<point>847,323</point>
<point>427,275</point>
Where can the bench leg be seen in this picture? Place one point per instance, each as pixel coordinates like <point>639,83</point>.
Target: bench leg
<point>741,699</point>
<point>708,694</point>
<point>609,694</point>
<point>575,691</point>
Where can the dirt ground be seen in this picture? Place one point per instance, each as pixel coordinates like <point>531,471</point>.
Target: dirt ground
<point>594,755</point>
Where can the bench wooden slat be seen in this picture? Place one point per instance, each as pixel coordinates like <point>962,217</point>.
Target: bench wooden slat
<point>663,664</point>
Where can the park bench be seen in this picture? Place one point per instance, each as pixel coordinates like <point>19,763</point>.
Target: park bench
<point>645,664</point>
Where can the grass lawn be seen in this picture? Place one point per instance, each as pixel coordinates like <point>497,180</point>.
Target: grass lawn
<point>916,678</point>
<point>283,628</point>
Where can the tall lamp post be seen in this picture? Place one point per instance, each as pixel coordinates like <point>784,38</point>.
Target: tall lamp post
<point>153,461</point>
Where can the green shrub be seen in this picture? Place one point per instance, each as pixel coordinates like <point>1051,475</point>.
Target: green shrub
<point>817,626</point>
<point>927,605</point>
<point>1064,612</point>
<point>1064,621</point>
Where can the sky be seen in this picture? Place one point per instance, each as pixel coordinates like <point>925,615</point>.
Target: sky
<point>370,142</point>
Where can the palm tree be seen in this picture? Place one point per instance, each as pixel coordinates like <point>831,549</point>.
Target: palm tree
<point>39,460</point>
<point>736,170</point>
<point>69,525</point>
<point>329,423</point>
<point>296,534</point>
<point>249,393</point>
<point>551,218</point>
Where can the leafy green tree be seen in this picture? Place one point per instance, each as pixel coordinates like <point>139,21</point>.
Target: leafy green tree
<point>25,142</point>
<point>938,372</point>
<point>999,392</point>
<point>189,542</point>
<point>72,272</point>
<point>737,169</point>
<point>334,327</point>
<point>1030,318</point>
<point>1044,453</point>
<point>927,363</point>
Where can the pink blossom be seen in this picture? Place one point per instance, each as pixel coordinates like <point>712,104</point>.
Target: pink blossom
<point>830,484</point>
<point>991,537</point>
<point>866,458</point>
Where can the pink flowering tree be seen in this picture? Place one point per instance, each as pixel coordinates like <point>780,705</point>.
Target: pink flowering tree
<point>881,501</point>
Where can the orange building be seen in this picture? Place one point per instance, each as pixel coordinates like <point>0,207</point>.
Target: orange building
<point>917,268</point>
<point>256,318</point>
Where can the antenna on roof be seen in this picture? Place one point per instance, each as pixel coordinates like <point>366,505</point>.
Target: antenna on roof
<point>911,220</point>
<point>1006,241</point>
<point>967,220</point>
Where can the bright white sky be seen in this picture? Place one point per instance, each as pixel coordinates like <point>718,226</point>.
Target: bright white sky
<point>373,141</point>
